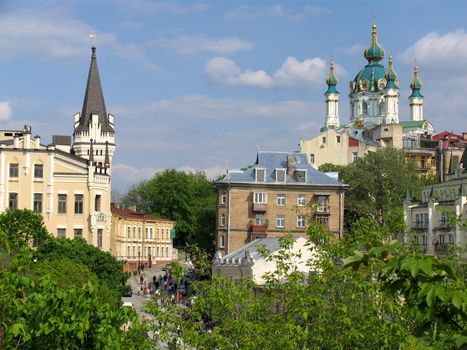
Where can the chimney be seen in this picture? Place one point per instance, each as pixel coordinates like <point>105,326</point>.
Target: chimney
<point>132,207</point>
<point>290,162</point>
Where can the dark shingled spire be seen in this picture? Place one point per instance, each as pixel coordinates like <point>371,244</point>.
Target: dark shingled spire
<point>94,100</point>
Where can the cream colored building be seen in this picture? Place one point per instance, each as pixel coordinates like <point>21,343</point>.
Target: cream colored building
<point>69,183</point>
<point>247,262</point>
<point>139,238</point>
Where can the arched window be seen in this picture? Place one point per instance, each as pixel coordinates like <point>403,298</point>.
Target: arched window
<point>381,108</point>
<point>364,108</point>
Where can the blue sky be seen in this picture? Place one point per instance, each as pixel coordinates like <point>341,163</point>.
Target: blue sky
<point>199,85</point>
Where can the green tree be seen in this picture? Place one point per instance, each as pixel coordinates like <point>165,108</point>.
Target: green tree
<point>330,168</point>
<point>23,227</point>
<point>378,185</point>
<point>187,198</point>
<point>108,270</point>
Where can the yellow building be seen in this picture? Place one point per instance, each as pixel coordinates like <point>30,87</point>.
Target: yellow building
<point>69,183</point>
<point>139,238</point>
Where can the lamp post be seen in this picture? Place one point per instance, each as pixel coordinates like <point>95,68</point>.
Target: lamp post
<point>139,263</point>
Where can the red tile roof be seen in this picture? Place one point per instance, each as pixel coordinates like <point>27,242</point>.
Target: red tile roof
<point>131,214</point>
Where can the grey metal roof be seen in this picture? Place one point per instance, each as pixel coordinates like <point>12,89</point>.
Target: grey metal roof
<point>94,100</point>
<point>270,161</point>
<point>271,244</point>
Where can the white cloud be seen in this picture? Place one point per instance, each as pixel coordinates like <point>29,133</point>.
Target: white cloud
<point>5,110</point>
<point>274,11</point>
<point>352,50</point>
<point>189,45</point>
<point>439,51</point>
<point>46,34</point>
<point>293,73</point>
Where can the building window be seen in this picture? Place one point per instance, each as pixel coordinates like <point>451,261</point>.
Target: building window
<point>301,222</point>
<point>312,158</point>
<point>14,170</point>
<point>78,232</point>
<point>157,251</point>
<point>167,251</point>
<point>62,204</point>
<point>222,220</point>
<point>134,231</point>
<point>354,156</point>
<point>381,108</point>
<point>134,252</point>
<point>61,232</point>
<point>260,197</point>
<point>300,175</point>
<point>13,201</point>
<point>280,221</point>
<point>38,171</point>
<point>364,108</point>
<point>444,218</point>
<point>301,200</point>
<point>259,219</point>
<point>37,205</point>
<point>140,231</point>
<point>222,241</point>
<point>441,238</point>
<point>323,139</point>
<point>260,175</point>
<point>78,204</point>
<point>280,175</point>
<point>97,202</point>
<point>223,198</point>
<point>322,204</point>
<point>149,251</point>
<point>451,238</point>
<point>99,237</point>
<point>322,220</point>
<point>338,139</point>
<point>129,231</point>
<point>281,200</point>
<point>128,252</point>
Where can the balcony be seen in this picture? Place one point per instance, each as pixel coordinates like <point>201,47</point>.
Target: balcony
<point>259,228</point>
<point>260,207</point>
<point>419,225</point>
<point>323,209</point>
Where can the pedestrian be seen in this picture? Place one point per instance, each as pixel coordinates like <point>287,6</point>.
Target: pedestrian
<point>154,278</point>
<point>141,279</point>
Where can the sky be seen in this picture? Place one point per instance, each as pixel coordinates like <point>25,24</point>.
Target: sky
<point>203,85</point>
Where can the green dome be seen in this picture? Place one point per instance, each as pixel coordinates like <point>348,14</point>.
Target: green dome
<point>374,52</point>
<point>416,84</point>
<point>331,81</point>
<point>391,76</point>
<point>370,78</point>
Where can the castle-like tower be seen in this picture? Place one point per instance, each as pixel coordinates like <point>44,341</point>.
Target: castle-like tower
<point>94,133</point>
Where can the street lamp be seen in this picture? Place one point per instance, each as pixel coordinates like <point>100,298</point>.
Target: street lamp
<point>139,263</point>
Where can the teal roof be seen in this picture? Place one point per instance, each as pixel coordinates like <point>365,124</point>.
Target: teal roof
<point>374,52</point>
<point>371,73</point>
<point>413,123</point>
<point>331,81</point>
<point>416,84</point>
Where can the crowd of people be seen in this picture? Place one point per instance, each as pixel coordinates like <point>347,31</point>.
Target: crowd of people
<point>177,290</point>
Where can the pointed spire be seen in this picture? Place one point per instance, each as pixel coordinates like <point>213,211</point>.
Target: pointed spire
<point>391,76</point>
<point>107,159</point>
<point>91,154</point>
<point>408,197</point>
<point>375,51</point>
<point>331,80</point>
<point>416,84</point>
<point>94,99</point>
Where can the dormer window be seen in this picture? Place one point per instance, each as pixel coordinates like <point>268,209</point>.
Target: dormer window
<point>300,175</point>
<point>280,175</point>
<point>260,175</point>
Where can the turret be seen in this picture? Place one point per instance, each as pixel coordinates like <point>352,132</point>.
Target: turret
<point>332,100</point>
<point>94,134</point>
<point>391,95</point>
<point>416,98</point>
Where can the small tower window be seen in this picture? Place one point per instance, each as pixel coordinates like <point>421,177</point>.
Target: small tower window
<point>381,108</point>
<point>364,108</point>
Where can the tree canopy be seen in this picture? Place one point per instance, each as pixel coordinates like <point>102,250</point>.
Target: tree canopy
<point>187,198</point>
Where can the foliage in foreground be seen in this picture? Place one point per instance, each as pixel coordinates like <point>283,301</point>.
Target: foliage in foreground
<point>382,296</point>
